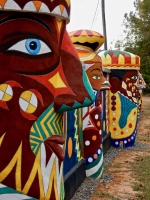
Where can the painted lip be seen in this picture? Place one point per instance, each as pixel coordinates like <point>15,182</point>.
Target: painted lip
<point>55,143</point>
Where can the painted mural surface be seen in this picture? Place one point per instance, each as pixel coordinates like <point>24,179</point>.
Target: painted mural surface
<point>141,85</point>
<point>37,83</point>
<point>74,139</point>
<point>123,96</point>
<point>87,43</point>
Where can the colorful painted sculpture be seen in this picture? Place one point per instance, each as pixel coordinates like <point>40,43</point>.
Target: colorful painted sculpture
<point>87,43</point>
<point>37,81</point>
<point>123,96</point>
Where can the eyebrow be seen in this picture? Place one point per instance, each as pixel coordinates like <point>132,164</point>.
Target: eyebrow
<point>95,69</point>
<point>14,17</point>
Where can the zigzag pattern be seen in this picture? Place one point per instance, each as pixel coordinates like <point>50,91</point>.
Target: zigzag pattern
<point>48,124</point>
<point>76,137</point>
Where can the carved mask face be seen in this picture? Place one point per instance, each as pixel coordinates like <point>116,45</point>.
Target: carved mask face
<point>40,74</point>
<point>130,79</point>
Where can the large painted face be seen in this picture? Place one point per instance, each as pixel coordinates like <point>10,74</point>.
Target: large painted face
<point>37,79</point>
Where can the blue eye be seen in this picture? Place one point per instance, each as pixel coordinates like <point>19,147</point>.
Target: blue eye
<point>31,46</point>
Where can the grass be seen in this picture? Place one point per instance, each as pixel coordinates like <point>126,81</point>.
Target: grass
<point>141,172</point>
<point>105,195</point>
<point>141,165</point>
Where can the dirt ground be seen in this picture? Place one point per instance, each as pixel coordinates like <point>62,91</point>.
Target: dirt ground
<point>122,185</point>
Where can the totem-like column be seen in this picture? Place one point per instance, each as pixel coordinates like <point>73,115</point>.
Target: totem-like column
<point>40,77</point>
<point>123,96</point>
<point>87,42</point>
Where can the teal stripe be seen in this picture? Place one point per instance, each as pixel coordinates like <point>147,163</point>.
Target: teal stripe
<point>93,164</point>
<point>94,176</point>
<point>7,190</point>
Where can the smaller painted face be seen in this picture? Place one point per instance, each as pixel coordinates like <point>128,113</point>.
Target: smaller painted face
<point>95,74</point>
<point>130,80</point>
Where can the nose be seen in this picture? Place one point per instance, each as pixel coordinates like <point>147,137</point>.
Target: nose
<point>105,84</point>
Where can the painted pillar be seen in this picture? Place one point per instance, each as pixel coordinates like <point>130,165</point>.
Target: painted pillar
<point>37,83</point>
<point>87,42</point>
<point>123,96</point>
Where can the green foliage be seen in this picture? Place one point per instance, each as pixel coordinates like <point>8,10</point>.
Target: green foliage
<point>137,36</point>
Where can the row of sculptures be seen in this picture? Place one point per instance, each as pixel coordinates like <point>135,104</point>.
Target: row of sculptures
<point>59,99</point>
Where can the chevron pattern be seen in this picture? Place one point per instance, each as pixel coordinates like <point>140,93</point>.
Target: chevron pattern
<point>48,124</point>
<point>76,137</point>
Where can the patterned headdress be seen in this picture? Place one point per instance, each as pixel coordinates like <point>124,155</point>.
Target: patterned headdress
<point>87,42</point>
<point>114,59</point>
<point>58,8</point>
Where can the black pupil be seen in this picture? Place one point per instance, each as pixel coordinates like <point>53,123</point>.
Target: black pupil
<point>33,45</point>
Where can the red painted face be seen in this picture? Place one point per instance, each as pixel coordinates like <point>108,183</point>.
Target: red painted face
<point>37,73</point>
<point>130,80</point>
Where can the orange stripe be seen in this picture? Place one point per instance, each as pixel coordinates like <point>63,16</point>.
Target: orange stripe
<point>37,4</point>
<point>84,33</point>
<point>61,8</point>
<point>2,3</point>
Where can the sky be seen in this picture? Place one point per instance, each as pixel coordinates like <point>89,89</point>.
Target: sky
<point>83,12</point>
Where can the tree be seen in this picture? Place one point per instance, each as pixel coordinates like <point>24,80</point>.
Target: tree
<point>137,36</point>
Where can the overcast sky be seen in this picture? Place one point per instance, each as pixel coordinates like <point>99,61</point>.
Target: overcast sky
<point>83,11</point>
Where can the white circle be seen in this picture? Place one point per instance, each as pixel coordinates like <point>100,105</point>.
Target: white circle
<point>24,103</point>
<point>116,143</point>
<point>116,133</point>
<point>9,90</point>
<point>96,116</point>
<point>99,151</point>
<point>114,114</point>
<point>125,142</point>
<point>100,132</point>
<point>90,160</point>
<point>132,137</point>
<point>87,143</point>
<point>114,124</point>
<point>127,130</point>
<point>132,118</point>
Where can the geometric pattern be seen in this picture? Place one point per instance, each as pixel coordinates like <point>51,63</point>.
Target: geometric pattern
<point>82,36</point>
<point>126,107</point>
<point>6,92</point>
<point>95,168</point>
<point>56,81</point>
<point>76,137</point>
<point>115,59</point>
<point>62,11</point>
<point>48,124</point>
<point>28,102</point>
